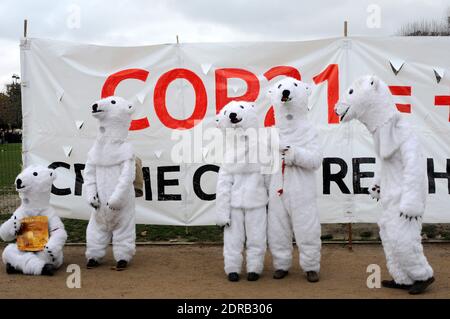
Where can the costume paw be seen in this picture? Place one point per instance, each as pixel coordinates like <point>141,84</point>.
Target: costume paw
<point>288,157</point>
<point>410,217</point>
<point>233,276</point>
<point>17,225</point>
<point>92,263</point>
<point>48,270</point>
<point>50,251</point>
<point>223,222</point>
<point>284,147</point>
<point>114,204</point>
<point>374,192</point>
<point>94,201</point>
<point>121,265</point>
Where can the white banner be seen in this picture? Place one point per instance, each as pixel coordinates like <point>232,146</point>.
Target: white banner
<point>180,87</point>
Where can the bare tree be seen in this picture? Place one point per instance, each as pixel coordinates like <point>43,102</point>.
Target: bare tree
<point>427,28</point>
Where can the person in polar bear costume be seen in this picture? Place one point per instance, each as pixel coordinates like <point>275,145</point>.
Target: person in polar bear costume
<point>400,184</point>
<point>34,185</point>
<point>241,194</point>
<point>292,191</point>
<point>108,179</point>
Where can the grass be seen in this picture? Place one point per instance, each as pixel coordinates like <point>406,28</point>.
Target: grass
<point>366,234</point>
<point>430,230</point>
<point>76,230</point>
<point>10,164</point>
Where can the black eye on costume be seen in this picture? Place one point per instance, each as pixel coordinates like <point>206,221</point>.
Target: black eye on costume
<point>295,84</point>
<point>350,92</point>
<point>113,102</point>
<point>279,86</point>
<point>371,83</point>
<point>35,174</point>
<point>51,174</point>
<point>241,106</point>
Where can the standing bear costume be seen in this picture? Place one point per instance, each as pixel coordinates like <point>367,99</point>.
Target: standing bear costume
<point>401,183</point>
<point>241,194</point>
<point>108,180</point>
<point>292,191</point>
<point>34,185</point>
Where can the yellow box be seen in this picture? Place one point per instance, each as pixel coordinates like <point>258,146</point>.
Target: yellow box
<point>33,235</point>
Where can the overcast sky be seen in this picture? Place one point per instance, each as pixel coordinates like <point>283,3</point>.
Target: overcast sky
<point>136,22</point>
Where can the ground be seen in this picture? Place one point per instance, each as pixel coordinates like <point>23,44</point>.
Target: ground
<point>196,271</point>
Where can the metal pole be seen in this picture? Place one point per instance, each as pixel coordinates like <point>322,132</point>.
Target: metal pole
<point>186,229</point>
<point>350,232</point>
<point>25,28</point>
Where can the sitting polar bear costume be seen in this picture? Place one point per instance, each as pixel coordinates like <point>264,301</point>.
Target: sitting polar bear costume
<point>34,185</point>
<point>292,191</point>
<point>401,186</point>
<point>108,179</point>
<point>241,194</point>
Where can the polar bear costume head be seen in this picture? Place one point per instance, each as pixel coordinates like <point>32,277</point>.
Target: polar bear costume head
<point>289,97</point>
<point>369,100</point>
<point>34,185</point>
<point>239,121</point>
<point>114,116</point>
<point>237,115</point>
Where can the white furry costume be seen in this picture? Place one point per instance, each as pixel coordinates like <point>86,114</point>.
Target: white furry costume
<point>241,192</point>
<point>401,184</point>
<point>34,185</point>
<point>108,180</point>
<point>292,193</point>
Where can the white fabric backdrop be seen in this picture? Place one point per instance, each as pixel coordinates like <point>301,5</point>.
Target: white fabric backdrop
<point>61,80</point>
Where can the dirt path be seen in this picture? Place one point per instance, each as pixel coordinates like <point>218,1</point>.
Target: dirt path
<point>197,272</point>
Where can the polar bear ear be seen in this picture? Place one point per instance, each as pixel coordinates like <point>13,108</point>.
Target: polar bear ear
<point>374,82</point>
<point>52,173</point>
<point>308,89</point>
<point>130,109</point>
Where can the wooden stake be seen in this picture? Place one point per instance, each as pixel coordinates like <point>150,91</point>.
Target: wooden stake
<point>350,232</point>
<point>186,229</point>
<point>25,28</point>
<point>350,237</point>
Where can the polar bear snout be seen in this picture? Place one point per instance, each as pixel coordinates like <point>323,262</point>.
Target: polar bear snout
<point>285,96</point>
<point>341,109</point>
<point>95,108</point>
<point>19,184</point>
<point>234,118</point>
